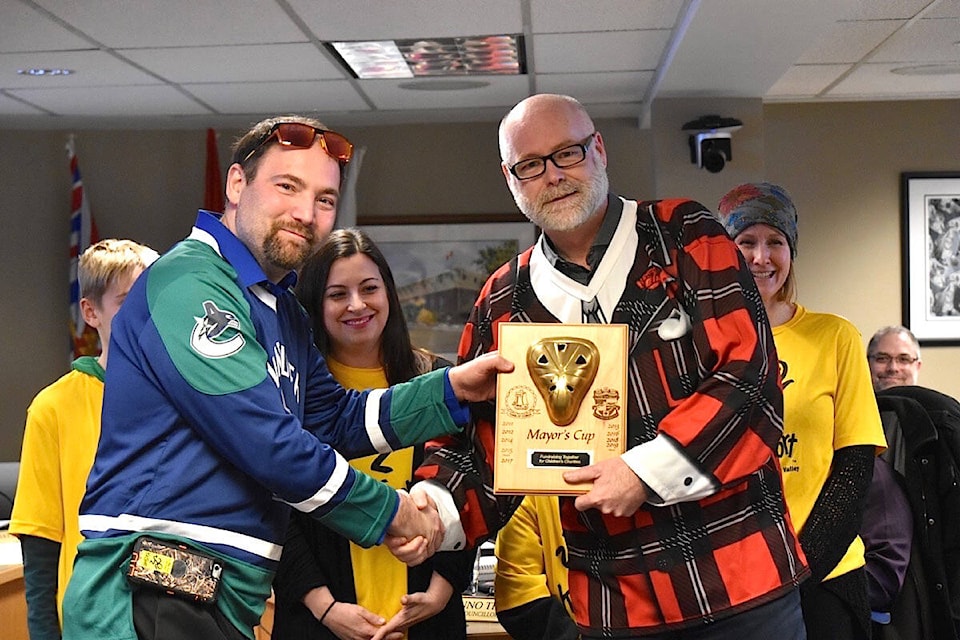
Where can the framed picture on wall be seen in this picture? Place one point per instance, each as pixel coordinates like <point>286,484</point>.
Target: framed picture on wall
<point>930,233</point>
<point>440,263</point>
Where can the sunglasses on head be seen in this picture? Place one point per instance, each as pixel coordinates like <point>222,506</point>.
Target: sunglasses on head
<point>301,136</point>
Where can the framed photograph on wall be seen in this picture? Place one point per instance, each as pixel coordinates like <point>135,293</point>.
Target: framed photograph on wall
<point>440,264</point>
<point>930,233</point>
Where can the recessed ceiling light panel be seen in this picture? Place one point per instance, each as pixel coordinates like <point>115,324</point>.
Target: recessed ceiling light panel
<point>422,57</point>
<point>373,59</point>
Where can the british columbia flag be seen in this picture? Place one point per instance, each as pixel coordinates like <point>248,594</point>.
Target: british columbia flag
<point>83,233</point>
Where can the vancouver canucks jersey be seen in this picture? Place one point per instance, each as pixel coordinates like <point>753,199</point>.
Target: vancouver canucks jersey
<point>219,412</point>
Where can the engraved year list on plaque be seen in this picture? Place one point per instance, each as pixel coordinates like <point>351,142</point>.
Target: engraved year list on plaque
<point>562,407</point>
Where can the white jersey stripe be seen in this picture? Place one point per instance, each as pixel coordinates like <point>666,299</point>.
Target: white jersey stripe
<point>371,418</point>
<point>328,490</point>
<point>198,532</point>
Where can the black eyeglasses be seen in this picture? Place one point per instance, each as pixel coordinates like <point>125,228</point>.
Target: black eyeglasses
<point>561,158</point>
<point>301,136</point>
<point>883,359</point>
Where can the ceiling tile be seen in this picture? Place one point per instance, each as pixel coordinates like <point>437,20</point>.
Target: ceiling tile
<point>252,63</point>
<point>502,91</point>
<point>923,41</point>
<point>886,9</point>
<point>740,48</point>
<point>93,68</point>
<point>598,51</point>
<point>379,20</point>
<point>88,101</point>
<point>177,23</point>
<point>877,81</point>
<point>279,97</point>
<point>849,41</point>
<point>805,81</point>
<point>944,9</point>
<point>9,106</point>
<point>597,88</point>
<point>550,16</point>
<point>243,59</point>
<point>24,29</point>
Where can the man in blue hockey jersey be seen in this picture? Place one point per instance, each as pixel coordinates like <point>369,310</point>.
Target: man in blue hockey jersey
<point>219,414</point>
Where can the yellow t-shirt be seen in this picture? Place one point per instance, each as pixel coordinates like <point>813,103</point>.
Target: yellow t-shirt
<point>828,404</point>
<point>59,444</point>
<point>531,556</point>
<point>380,579</point>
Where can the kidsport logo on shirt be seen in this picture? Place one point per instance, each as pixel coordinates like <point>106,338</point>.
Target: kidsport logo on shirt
<point>207,335</point>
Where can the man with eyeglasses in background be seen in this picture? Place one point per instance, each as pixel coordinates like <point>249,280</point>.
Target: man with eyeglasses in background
<point>894,356</point>
<point>219,415</point>
<point>686,535</point>
<point>887,528</point>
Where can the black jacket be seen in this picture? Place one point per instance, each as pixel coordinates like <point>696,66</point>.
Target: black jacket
<point>923,437</point>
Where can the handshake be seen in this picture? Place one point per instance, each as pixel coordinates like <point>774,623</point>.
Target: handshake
<point>416,531</point>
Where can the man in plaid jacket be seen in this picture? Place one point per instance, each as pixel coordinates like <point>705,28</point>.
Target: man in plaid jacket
<point>686,532</point>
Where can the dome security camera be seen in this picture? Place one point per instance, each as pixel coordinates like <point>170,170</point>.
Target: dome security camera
<point>710,146</point>
<point>710,151</point>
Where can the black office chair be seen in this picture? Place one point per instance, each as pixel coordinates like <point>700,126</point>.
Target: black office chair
<point>9,471</point>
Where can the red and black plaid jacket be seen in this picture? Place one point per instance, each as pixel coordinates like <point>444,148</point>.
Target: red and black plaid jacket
<point>714,391</point>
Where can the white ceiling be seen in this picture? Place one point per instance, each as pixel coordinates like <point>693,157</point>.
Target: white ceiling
<point>189,63</point>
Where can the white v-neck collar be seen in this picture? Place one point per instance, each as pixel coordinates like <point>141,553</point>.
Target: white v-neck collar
<point>564,297</point>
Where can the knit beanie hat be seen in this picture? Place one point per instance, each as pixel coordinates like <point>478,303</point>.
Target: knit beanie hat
<point>759,203</point>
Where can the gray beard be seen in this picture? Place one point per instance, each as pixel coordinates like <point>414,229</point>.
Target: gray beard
<point>592,194</point>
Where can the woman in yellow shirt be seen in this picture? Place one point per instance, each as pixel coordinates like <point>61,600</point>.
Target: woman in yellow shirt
<point>832,428</point>
<point>326,587</point>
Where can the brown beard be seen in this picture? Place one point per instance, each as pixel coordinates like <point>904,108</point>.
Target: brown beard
<point>284,255</point>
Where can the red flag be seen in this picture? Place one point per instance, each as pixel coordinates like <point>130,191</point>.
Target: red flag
<point>83,233</point>
<point>213,184</point>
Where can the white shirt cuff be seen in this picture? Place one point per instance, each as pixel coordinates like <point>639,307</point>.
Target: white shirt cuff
<point>660,464</point>
<point>454,538</point>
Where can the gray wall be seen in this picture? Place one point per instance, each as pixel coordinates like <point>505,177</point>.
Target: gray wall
<point>840,161</point>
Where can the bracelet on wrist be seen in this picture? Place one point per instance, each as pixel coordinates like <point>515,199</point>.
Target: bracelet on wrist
<point>327,611</point>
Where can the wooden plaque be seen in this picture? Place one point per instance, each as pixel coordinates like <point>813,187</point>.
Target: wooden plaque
<point>564,405</point>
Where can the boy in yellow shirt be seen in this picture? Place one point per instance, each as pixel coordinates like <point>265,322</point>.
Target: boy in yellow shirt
<point>60,440</point>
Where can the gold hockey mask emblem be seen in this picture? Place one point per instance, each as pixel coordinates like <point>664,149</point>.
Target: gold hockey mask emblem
<point>563,370</point>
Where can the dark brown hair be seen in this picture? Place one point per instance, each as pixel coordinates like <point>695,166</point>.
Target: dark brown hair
<point>400,361</point>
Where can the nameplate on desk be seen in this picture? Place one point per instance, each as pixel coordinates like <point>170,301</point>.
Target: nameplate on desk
<point>479,609</point>
<point>563,406</point>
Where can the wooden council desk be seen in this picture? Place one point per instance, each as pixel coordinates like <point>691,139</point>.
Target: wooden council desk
<point>486,631</point>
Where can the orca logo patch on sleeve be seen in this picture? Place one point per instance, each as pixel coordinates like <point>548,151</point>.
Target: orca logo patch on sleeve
<point>211,336</point>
